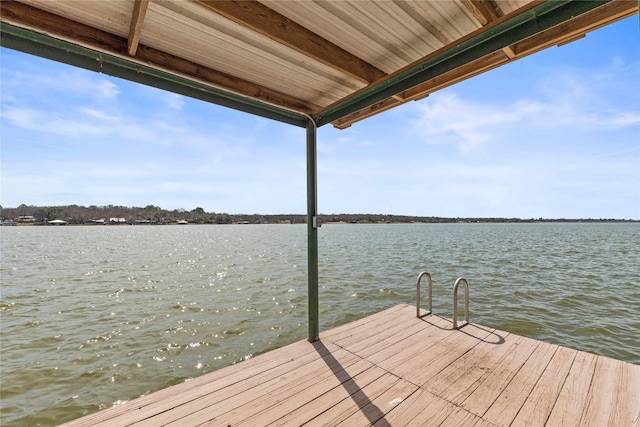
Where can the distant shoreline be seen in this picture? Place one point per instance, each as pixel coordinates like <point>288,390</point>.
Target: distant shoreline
<point>4,224</point>
<point>265,221</point>
<point>151,215</point>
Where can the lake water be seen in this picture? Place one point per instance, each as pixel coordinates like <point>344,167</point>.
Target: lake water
<point>93,316</point>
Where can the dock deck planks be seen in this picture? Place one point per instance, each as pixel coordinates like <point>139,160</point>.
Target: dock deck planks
<point>393,369</point>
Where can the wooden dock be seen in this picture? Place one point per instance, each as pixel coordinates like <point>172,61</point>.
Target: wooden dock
<point>393,369</point>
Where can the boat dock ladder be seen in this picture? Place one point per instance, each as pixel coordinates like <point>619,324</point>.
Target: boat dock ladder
<point>455,299</point>
<point>430,294</point>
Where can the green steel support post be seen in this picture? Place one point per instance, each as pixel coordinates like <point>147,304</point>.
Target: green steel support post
<point>312,230</point>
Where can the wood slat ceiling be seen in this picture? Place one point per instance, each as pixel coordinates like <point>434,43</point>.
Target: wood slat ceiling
<point>307,57</point>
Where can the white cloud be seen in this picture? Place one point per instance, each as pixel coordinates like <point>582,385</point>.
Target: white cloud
<point>99,115</point>
<point>446,118</point>
<point>79,122</point>
<point>64,82</point>
<point>104,87</point>
<point>582,100</point>
<point>619,120</point>
<point>167,126</point>
<point>175,101</point>
<point>22,117</point>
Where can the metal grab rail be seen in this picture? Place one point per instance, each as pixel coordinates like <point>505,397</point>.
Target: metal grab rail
<point>455,303</point>
<point>424,273</point>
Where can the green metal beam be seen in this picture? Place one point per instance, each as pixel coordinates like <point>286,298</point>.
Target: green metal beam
<point>312,231</point>
<point>540,18</point>
<point>45,46</point>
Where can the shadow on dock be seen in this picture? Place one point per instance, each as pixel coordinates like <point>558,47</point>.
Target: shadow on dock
<point>490,336</point>
<point>391,369</point>
<point>367,407</point>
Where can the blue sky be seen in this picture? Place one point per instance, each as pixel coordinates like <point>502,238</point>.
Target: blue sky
<point>556,134</point>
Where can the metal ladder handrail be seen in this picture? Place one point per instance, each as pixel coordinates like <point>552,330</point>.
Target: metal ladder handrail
<point>455,303</point>
<point>429,303</point>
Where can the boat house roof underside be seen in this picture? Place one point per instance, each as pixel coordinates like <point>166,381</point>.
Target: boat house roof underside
<point>335,62</point>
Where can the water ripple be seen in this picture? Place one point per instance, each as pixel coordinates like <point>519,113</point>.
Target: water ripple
<point>95,316</point>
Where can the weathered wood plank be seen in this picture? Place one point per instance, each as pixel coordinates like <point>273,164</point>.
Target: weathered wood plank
<point>384,335</point>
<point>291,396</point>
<point>507,405</point>
<point>315,407</point>
<point>630,407</point>
<point>345,408</point>
<point>240,400</point>
<point>421,408</point>
<point>376,409</point>
<point>573,396</point>
<point>137,20</point>
<point>460,378</point>
<point>395,369</point>
<point>610,401</point>
<point>347,330</point>
<point>537,408</point>
<point>414,345</point>
<point>143,407</point>
<point>376,338</point>
<point>460,417</point>
<point>494,381</point>
<point>231,395</point>
<point>433,359</point>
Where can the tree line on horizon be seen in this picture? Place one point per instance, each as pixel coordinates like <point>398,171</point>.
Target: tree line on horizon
<point>76,214</point>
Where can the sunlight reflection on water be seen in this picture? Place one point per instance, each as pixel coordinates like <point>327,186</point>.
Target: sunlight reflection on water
<point>93,316</point>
